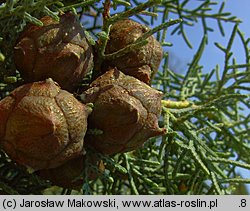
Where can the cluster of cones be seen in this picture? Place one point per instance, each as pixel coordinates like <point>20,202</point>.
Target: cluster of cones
<point>44,127</point>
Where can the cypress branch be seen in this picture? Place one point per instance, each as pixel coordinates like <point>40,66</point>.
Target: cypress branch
<point>206,113</point>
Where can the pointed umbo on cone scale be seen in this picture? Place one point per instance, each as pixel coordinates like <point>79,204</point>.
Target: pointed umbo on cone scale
<point>42,126</point>
<point>126,110</point>
<point>141,63</point>
<point>57,50</point>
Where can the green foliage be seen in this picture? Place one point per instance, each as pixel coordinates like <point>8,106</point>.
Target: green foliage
<point>206,114</point>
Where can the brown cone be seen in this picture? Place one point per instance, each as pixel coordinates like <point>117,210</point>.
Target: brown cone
<point>57,50</point>
<point>142,63</point>
<point>70,174</point>
<point>125,109</point>
<point>42,126</point>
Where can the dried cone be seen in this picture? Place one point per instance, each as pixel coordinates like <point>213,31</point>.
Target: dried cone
<point>42,126</point>
<point>70,174</point>
<point>125,109</point>
<point>57,50</point>
<point>141,63</point>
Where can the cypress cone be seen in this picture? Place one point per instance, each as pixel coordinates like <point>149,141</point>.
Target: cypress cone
<point>141,63</point>
<point>42,126</point>
<point>71,173</point>
<point>126,110</point>
<point>57,50</point>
